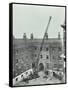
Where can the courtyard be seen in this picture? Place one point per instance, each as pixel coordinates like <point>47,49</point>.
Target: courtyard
<point>42,80</point>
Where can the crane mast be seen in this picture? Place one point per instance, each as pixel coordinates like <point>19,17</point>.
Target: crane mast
<point>36,63</point>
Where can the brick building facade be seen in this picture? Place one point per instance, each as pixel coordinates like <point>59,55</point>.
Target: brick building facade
<point>25,52</point>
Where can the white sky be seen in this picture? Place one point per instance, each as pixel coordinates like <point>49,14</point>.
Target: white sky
<point>33,19</point>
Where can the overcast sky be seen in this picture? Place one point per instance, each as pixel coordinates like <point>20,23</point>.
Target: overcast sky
<point>33,19</point>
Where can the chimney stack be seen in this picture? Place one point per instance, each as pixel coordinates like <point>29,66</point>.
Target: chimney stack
<point>24,36</point>
<point>31,36</point>
<point>58,35</point>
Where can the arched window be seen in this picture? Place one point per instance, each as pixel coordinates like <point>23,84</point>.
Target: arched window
<point>41,67</point>
<point>21,76</point>
<point>16,79</point>
<point>26,73</point>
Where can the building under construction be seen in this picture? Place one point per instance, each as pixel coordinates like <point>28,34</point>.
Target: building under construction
<point>41,54</point>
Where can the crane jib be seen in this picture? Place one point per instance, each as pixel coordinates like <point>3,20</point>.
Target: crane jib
<point>43,41</point>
